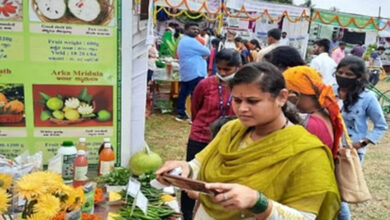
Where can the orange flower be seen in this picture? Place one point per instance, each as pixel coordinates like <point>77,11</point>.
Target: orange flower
<point>98,195</point>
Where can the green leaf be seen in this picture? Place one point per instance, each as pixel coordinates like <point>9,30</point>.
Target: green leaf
<point>44,96</point>
<point>59,96</point>
<point>84,96</point>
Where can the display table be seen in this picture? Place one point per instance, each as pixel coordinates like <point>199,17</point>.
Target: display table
<point>164,89</point>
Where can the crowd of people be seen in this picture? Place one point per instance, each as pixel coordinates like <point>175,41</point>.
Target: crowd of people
<point>266,126</point>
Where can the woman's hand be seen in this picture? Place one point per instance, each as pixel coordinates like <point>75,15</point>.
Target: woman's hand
<point>234,196</point>
<point>170,165</point>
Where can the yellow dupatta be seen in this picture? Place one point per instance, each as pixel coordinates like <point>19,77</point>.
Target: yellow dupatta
<point>290,166</point>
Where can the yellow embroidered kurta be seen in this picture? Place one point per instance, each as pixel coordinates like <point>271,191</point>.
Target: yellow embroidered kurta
<point>290,166</point>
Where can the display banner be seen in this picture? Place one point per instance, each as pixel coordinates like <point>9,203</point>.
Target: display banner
<point>272,8</point>
<point>262,27</point>
<point>344,19</point>
<point>298,36</point>
<point>59,75</point>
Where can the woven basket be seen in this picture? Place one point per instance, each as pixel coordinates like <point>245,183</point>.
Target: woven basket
<point>11,118</point>
<point>104,18</point>
<point>67,122</point>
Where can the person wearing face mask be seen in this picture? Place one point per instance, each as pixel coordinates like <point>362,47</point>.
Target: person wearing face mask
<point>358,105</point>
<point>317,101</point>
<point>211,100</point>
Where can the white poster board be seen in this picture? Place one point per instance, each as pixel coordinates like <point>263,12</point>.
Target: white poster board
<point>297,33</point>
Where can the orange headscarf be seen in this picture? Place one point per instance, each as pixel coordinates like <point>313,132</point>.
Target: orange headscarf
<point>308,81</point>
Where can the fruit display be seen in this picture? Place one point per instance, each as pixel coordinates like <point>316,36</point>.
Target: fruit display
<point>65,110</point>
<point>11,103</point>
<point>96,12</point>
<point>11,9</point>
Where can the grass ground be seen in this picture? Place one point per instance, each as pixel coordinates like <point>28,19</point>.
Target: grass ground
<point>168,138</point>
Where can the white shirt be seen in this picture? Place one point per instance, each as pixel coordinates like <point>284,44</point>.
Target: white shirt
<point>326,66</point>
<point>266,50</point>
<point>229,44</point>
<point>284,42</point>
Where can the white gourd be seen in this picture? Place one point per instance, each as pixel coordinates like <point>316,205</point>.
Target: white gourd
<point>86,10</point>
<point>52,9</point>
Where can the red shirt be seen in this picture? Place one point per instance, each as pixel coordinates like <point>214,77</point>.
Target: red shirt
<point>205,108</point>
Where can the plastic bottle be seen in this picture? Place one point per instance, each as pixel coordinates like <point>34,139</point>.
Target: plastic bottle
<point>106,160</point>
<point>82,145</point>
<point>105,140</point>
<point>69,153</point>
<point>80,169</point>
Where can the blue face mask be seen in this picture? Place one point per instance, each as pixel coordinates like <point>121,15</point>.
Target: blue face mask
<point>225,78</point>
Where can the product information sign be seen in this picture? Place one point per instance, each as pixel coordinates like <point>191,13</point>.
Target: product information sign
<point>59,75</point>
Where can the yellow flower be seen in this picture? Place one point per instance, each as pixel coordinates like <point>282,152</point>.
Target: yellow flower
<point>38,217</point>
<point>5,181</point>
<point>75,199</point>
<point>65,190</point>
<point>30,187</point>
<point>53,181</point>
<point>47,206</point>
<point>4,200</point>
<point>80,198</point>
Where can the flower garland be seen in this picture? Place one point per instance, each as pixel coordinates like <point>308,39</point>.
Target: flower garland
<point>222,9</point>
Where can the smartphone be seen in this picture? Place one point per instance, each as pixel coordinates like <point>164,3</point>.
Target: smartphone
<point>189,184</point>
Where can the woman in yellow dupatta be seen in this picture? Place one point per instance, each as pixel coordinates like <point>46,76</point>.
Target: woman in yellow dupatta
<point>262,165</point>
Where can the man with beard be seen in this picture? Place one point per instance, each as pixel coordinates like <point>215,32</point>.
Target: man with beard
<point>322,62</point>
<point>193,66</point>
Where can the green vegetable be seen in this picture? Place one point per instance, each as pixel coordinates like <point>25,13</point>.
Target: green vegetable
<point>154,212</point>
<point>118,177</point>
<point>45,115</point>
<point>90,115</point>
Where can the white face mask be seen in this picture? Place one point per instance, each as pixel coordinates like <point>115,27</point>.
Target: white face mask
<point>225,78</point>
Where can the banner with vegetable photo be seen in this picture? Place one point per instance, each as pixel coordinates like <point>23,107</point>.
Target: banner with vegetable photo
<point>78,106</point>
<point>59,75</point>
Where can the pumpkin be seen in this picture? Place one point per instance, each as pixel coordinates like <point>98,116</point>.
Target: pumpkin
<point>14,106</point>
<point>3,100</point>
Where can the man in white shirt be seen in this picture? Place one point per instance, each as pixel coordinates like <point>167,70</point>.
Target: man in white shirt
<point>323,63</point>
<point>229,42</point>
<point>284,41</point>
<point>273,37</point>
